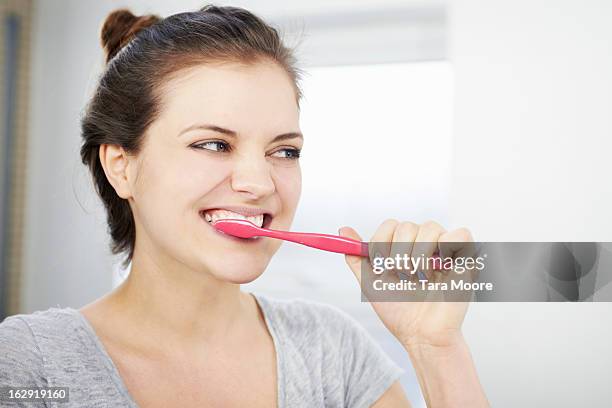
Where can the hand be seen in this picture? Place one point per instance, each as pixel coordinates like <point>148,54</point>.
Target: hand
<point>430,323</point>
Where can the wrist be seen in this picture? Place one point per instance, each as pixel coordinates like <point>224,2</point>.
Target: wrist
<point>440,343</point>
<point>446,372</point>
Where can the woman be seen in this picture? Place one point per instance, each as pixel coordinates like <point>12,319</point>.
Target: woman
<point>195,118</point>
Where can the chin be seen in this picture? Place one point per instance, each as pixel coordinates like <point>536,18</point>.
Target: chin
<point>238,270</point>
<point>239,276</point>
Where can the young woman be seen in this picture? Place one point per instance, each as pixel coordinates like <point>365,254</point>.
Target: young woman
<point>195,118</point>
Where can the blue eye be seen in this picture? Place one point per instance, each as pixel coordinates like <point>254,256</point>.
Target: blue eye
<point>290,154</point>
<point>224,147</point>
<point>219,146</point>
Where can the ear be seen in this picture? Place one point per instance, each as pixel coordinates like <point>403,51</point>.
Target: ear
<point>115,163</point>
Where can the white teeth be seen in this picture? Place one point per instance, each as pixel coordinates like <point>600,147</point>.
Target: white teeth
<point>214,215</point>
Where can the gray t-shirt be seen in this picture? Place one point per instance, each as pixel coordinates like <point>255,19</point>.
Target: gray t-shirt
<point>324,358</point>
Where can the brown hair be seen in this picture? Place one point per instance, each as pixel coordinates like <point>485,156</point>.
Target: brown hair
<point>141,53</point>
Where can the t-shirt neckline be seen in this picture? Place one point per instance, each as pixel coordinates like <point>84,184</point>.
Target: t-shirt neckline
<point>113,371</point>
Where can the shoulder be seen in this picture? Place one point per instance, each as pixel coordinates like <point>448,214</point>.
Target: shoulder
<point>46,324</point>
<point>15,335</point>
<point>23,338</point>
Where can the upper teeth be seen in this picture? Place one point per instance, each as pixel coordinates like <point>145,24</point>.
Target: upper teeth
<point>214,215</point>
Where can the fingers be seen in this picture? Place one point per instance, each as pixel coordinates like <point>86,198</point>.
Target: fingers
<point>402,242</point>
<point>458,242</point>
<point>384,234</point>
<point>394,239</point>
<point>354,262</point>
<point>426,243</point>
<point>380,246</point>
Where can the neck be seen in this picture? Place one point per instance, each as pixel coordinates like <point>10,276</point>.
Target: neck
<point>167,300</point>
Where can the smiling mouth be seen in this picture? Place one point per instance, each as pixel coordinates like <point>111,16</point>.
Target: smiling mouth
<point>212,215</point>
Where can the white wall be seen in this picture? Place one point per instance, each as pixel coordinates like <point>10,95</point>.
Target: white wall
<point>532,150</point>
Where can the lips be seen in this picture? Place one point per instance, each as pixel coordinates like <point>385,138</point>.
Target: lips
<point>215,215</point>
<point>257,216</point>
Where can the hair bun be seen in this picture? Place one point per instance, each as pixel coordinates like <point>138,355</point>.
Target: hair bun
<point>120,27</point>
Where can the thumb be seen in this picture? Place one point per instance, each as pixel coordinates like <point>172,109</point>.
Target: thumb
<point>354,262</point>
<point>349,232</point>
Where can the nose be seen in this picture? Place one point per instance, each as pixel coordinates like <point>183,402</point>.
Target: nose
<point>253,178</point>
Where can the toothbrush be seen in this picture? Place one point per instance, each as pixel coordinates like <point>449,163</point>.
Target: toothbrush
<point>333,243</point>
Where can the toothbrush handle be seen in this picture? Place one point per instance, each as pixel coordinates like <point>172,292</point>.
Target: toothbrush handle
<point>326,242</point>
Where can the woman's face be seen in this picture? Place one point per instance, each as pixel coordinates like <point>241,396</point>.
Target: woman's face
<point>227,138</point>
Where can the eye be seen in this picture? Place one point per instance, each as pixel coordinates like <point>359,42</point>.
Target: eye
<point>213,145</point>
<point>288,153</point>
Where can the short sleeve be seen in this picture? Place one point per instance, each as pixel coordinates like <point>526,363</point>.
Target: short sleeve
<point>20,360</point>
<point>367,369</point>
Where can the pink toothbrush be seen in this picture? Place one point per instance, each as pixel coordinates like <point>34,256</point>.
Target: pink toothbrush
<point>333,243</point>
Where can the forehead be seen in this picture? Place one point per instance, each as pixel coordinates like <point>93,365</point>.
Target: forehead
<point>258,97</point>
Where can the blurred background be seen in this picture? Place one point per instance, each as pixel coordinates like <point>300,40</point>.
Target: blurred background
<point>490,114</point>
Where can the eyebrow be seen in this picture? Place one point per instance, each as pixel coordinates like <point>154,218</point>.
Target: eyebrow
<point>231,133</point>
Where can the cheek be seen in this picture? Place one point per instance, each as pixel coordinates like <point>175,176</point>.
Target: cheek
<point>197,176</point>
<point>176,180</point>
<point>289,186</point>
